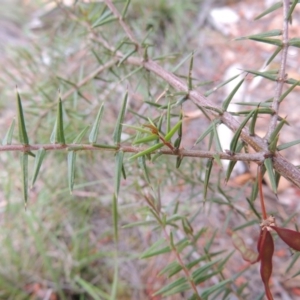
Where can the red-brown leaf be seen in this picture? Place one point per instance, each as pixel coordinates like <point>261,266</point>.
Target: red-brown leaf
<point>266,252</point>
<point>290,237</point>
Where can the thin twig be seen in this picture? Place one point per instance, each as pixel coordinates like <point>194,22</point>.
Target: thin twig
<point>282,70</point>
<point>181,263</point>
<point>254,157</point>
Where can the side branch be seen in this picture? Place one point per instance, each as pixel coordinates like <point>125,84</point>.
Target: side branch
<point>282,70</point>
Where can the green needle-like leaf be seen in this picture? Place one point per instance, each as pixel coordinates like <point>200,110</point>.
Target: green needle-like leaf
<point>237,134</point>
<point>95,128</point>
<point>9,134</point>
<point>71,169</point>
<point>118,170</point>
<point>232,163</point>
<point>170,134</point>
<point>91,290</point>
<point>81,135</point>
<point>208,168</point>
<point>217,139</point>
<point>115,216</point>
<point>57,135</point>
<point>207,131</point>
<point>146,139</point>
<point>118,129</point>
<point>273,55</point>
<point>24,166</point>
<point>268,74</point>
<point>287,145</point>
<point>274,32</point>
<point>143,166</point>
<point>269,10</point>
<point>288,91</point>
<point>21,122</point>
<point>269,166</point>
<point>37,164</point>
<point>206,94</point>
<point>231,95</point>
<point>190,80</point>
<point>275,42</point>
<point>147,151</point>
<point>253,122</point>
<point>277,129</point>
<point>125,8</point>
<point>168,117</point>
<point>289,14</point>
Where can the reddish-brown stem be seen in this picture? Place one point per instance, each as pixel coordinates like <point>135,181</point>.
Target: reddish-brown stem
<point>261,194</point>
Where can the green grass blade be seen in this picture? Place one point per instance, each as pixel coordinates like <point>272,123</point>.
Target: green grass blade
<point>117,180</point>
<point>92,290</point>
<point>23,138</point>
<point>9,134</point>
<point>71,169</point>
<point>37,164</point>
<point>95,128</point>
<point>115,217</point>
<point>118,129</point>
<point>114,289</point>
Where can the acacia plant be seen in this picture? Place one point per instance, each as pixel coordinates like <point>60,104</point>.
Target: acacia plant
<point>117,56</point>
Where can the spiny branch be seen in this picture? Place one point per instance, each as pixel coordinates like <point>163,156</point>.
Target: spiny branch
<point>256,157</point>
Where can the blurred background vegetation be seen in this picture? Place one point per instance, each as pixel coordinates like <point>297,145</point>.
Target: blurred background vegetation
<point>62,246</point>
